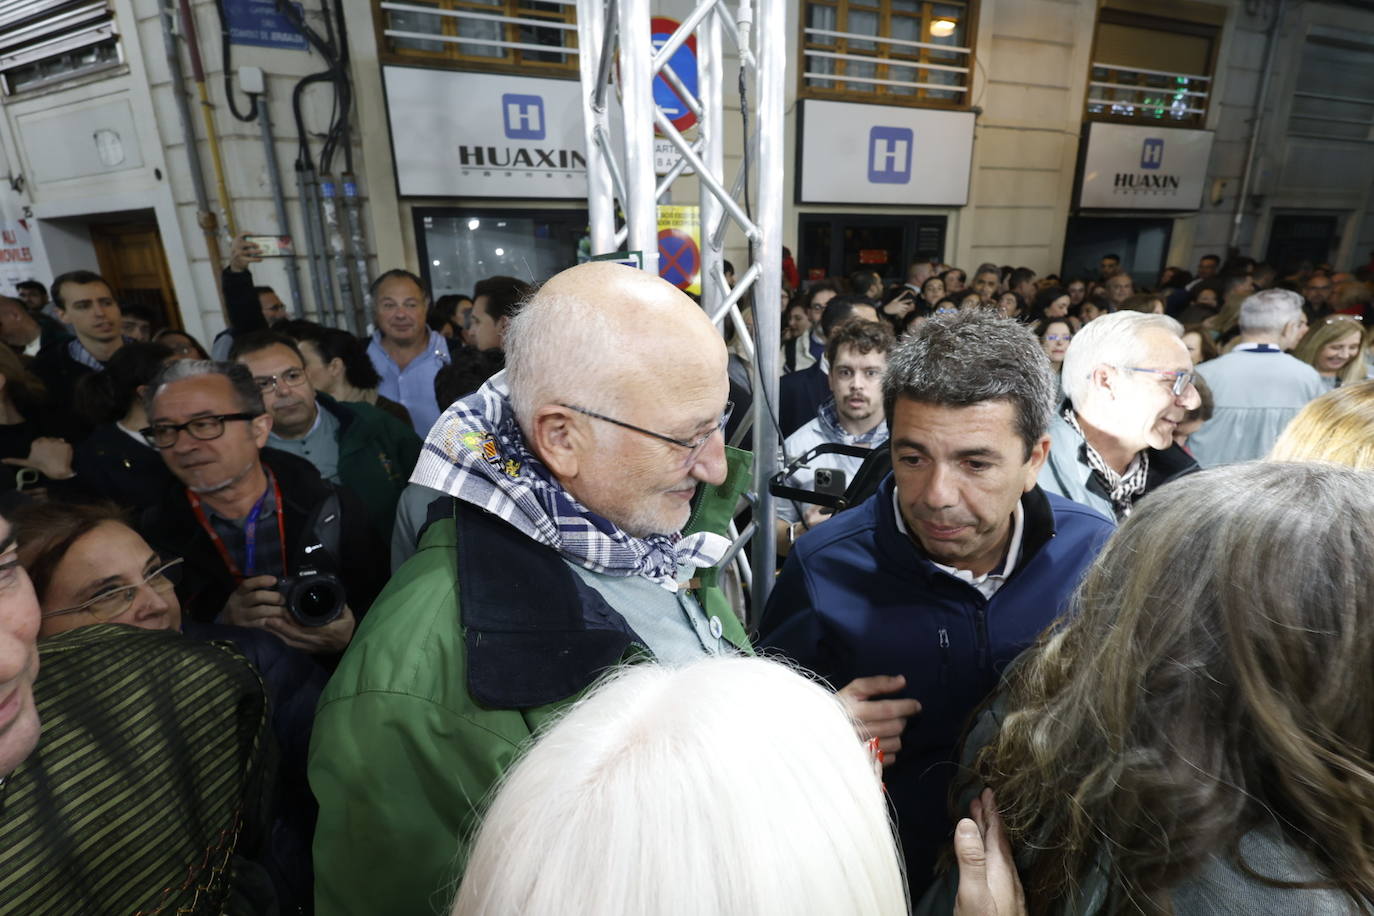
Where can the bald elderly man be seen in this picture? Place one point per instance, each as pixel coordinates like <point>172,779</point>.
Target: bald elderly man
<point>556,550</point>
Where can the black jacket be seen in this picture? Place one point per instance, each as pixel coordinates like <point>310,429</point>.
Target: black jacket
<point>111,465</point>
<point>59,373</point>
<point>206,584</point>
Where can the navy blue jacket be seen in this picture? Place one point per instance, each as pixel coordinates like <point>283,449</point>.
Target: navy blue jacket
<point>800,395</point>
<point>858,598</point>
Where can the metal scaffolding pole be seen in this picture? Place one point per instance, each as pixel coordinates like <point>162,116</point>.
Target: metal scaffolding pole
<point>771,71</point>
<point>596,126</point>
<point>621,168</point>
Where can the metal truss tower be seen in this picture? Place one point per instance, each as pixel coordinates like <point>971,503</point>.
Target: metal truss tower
<point>621,169</point>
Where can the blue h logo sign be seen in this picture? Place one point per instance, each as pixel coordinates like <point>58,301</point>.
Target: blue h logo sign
<point>524,116</point>
<point>1152,153</point>
<point>889,155</point>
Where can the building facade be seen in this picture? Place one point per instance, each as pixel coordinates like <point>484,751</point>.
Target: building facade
<point>1042,133</point>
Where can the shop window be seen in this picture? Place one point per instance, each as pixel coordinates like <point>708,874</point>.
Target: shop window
<point>47,41</point>
<point>837,244</point>
<point>1335,92</point>
<point>508,36</point>
<point>1147,69</point>
<point>895,52</point>
<point>459,246</point>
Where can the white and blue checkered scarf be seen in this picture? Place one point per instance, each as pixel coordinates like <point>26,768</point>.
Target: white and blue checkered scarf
<point>829,417</point>
<point>476,453</point>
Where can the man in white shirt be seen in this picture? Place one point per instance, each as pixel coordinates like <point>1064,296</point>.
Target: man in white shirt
<point>853,415</point>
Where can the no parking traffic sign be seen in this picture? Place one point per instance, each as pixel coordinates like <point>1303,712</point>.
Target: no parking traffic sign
<point>684,64</point>
<point>679,253</point>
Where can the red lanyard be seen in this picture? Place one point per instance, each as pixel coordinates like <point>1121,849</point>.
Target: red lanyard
<point>250,531</point>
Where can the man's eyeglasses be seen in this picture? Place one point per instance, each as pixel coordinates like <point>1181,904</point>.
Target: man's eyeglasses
<point>291,378</point>
<point>111,604</point>
<point>693,447</point>
<point>1180,379</point>
<point>164,435</point>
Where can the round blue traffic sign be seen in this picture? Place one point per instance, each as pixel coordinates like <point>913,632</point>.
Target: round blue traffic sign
<point>684,64</point>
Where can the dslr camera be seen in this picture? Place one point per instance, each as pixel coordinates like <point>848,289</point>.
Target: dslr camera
<point>314,593</point>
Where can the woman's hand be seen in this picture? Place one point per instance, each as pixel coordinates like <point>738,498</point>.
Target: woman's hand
<point>48,456</point>
<point>988,883</point>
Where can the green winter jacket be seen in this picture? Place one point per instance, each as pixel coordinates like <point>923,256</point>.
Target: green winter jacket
<point>438,695</point>
<point>377,452</point>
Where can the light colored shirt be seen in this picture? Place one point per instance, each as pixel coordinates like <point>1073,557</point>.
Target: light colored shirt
<point>320,446</point>
<point>804,478</point>
<point>412,511</point>
<point>672,624</point>
<point>990,582</point>
<point>412,386</point>
<point>1257,389</point>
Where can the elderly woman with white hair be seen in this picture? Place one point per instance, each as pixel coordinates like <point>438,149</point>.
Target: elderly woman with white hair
<point>726,786</point>
<point>1128,380</point>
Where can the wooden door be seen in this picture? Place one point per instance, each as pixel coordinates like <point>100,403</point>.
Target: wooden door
<point>131,258</point>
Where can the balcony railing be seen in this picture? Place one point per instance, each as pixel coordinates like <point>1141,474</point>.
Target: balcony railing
<point>1147,95</point>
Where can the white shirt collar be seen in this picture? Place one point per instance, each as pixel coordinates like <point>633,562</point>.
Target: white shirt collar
<point>988,583</point>
<point>131,433</point>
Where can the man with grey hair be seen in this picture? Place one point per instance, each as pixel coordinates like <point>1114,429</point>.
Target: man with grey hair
<point>585,491</point>
<point>927,590</point>
<point>1257,387</point>
<point>1129,382</point>
<point>244,517</point>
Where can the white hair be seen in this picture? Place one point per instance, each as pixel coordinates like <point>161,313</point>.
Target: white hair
<point>1269,311</point>
<point>556,347</point>
<point>727,786</point>
<point>1112,340</point>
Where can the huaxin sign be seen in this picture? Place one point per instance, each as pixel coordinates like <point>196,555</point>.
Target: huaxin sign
<point>1144,168</point>
<point>851,153</point>
<point>511,136</point>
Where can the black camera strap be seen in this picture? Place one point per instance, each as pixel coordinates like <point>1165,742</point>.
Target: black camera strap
<point>779,487</point>
<point>324,534</point>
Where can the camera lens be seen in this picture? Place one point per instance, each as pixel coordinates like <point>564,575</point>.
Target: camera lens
<point>316,601</point>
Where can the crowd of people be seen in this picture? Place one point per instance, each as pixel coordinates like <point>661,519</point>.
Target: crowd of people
<point>1067,616</point>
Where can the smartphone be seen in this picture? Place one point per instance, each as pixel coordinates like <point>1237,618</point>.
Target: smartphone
<point>273,246</point>
<point>829,481</point>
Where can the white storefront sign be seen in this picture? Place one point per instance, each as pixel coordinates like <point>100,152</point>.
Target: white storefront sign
<point>877,154</point>
<point>16,255</point>
<point>1144,168</point>
<point>456,134</point>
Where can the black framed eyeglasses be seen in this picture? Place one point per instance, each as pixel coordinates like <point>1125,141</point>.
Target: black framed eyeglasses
<point>1179,379</point>
<point>164,435</point>
<point>693,447</point>
<point>113,603</point>
<point>291,378</point>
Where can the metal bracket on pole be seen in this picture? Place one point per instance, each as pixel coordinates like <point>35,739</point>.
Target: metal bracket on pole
<point>621,168</point>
